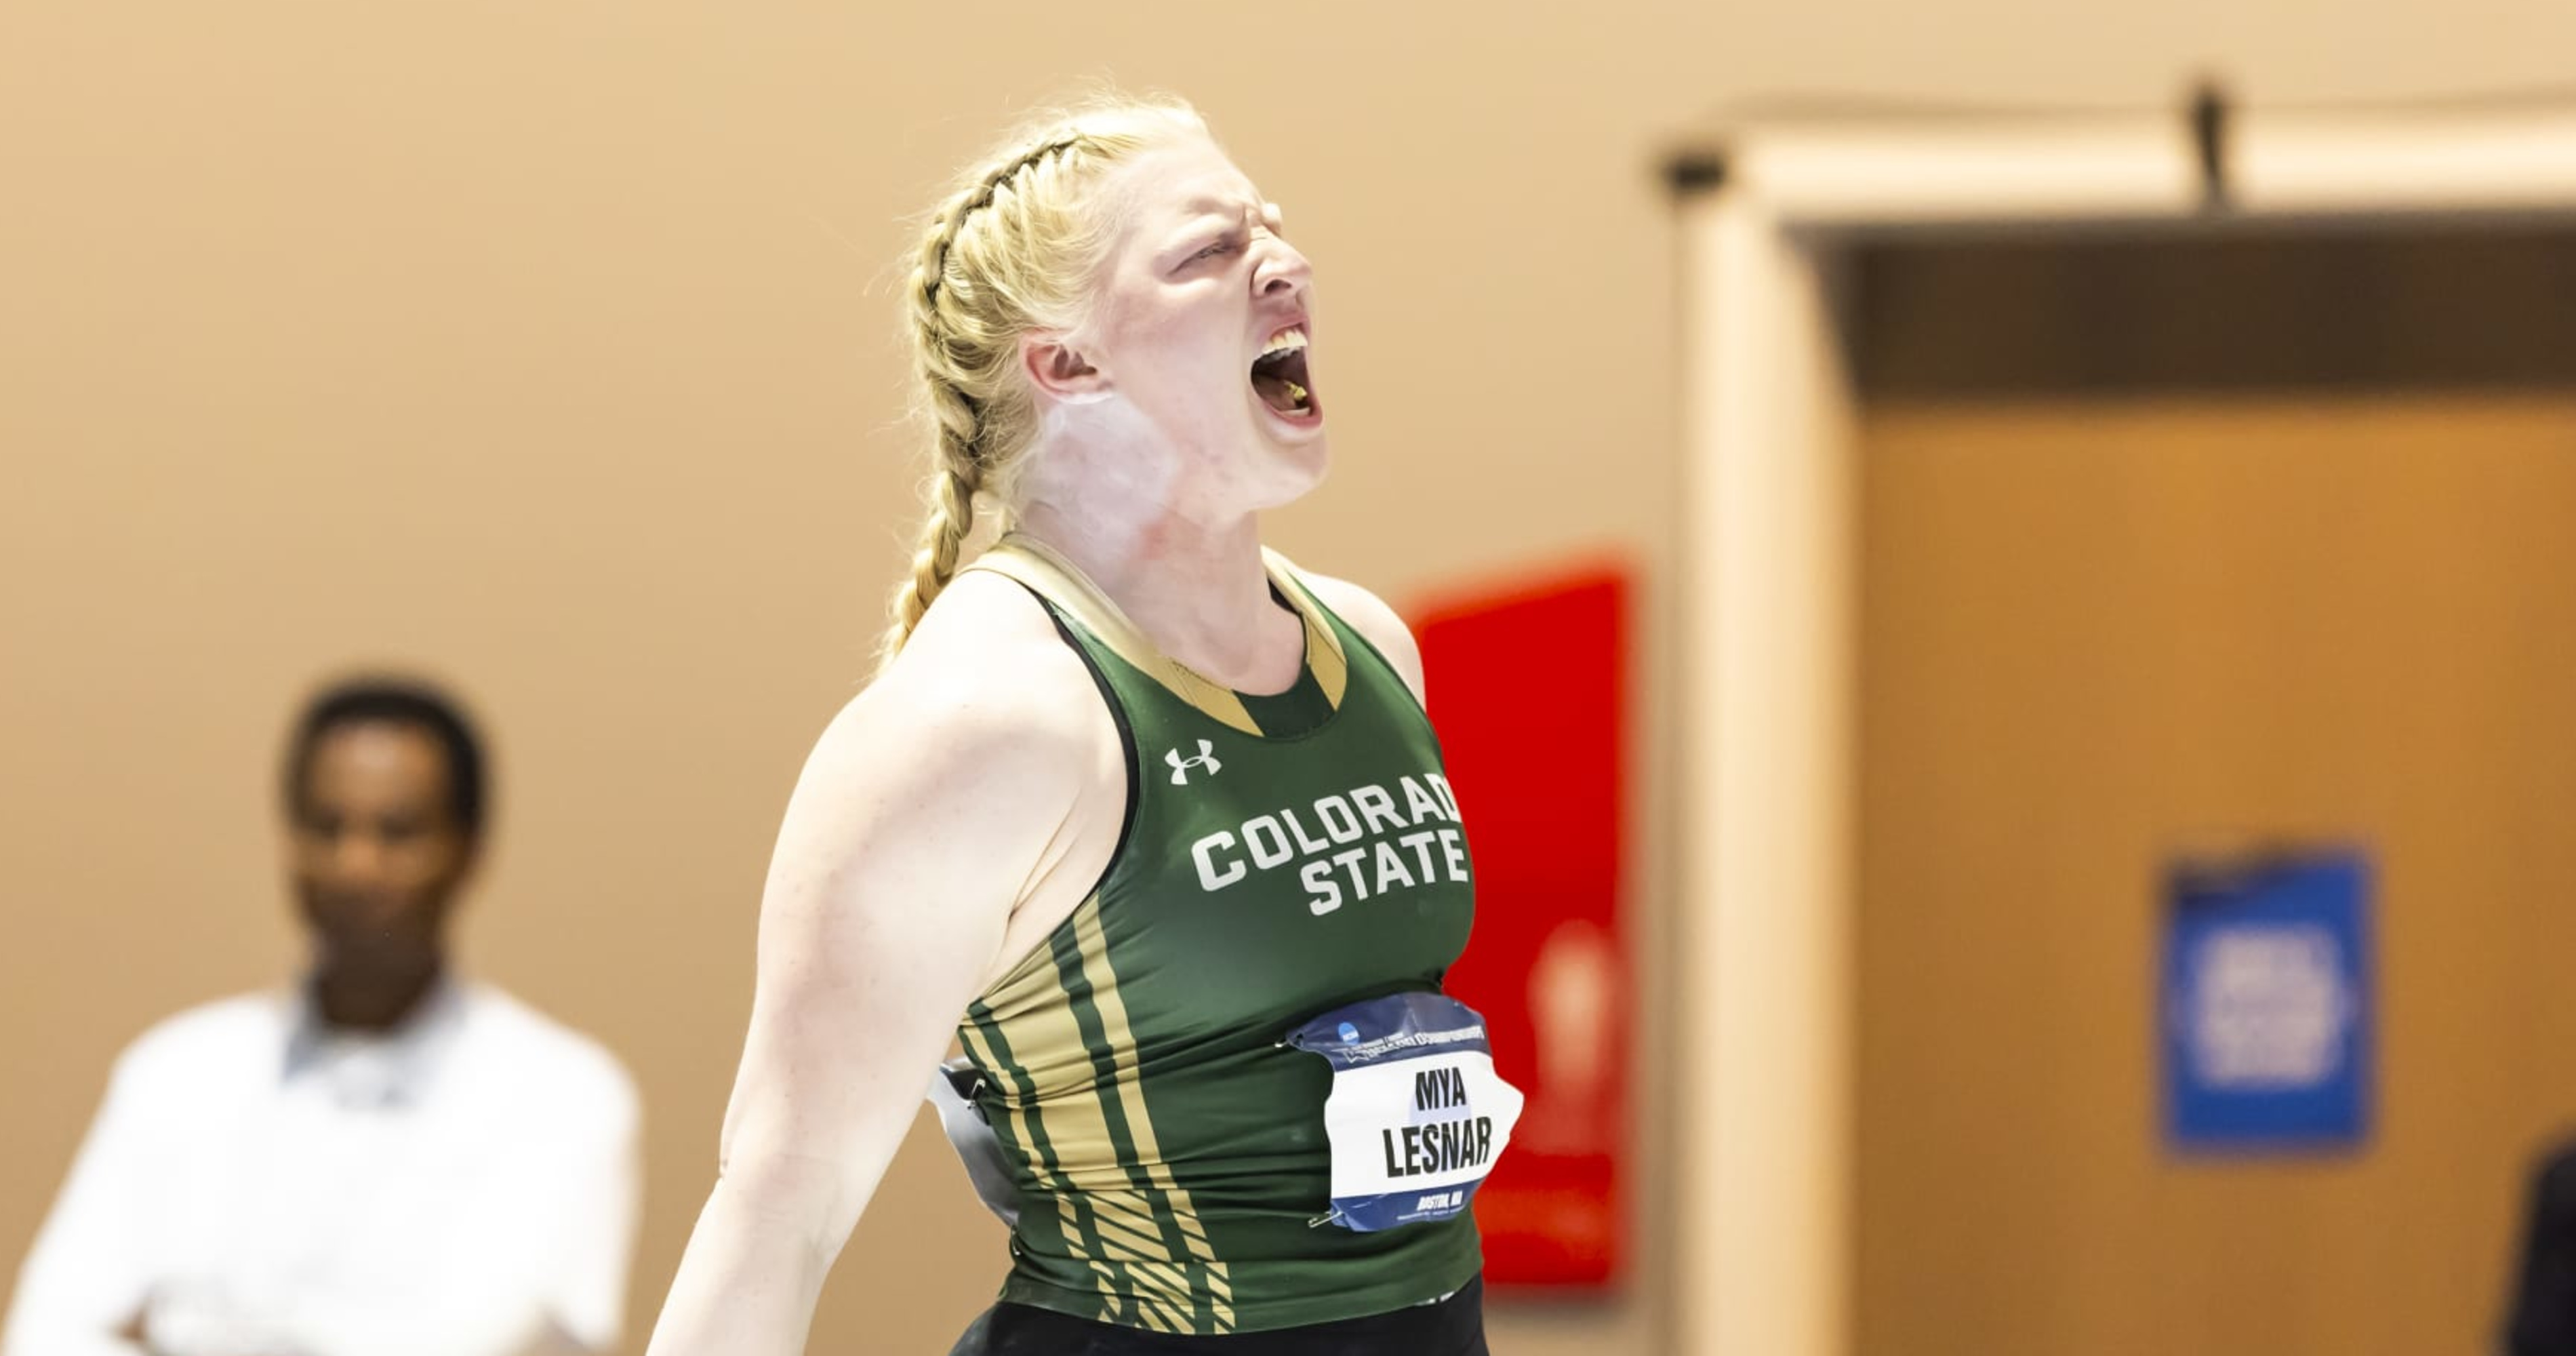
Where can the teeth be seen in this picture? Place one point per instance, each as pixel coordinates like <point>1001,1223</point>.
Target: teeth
<point>1285,340</point>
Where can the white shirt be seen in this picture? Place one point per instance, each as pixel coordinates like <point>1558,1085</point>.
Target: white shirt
<point>256,1185</point>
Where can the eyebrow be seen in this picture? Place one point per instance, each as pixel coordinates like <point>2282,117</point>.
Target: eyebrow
<point>1223,207</point>
<point>1234,209</point>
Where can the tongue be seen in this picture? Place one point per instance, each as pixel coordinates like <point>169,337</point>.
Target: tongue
<point>1274,392</point>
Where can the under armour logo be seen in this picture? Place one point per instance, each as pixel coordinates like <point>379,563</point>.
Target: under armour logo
<point>1181,766</point>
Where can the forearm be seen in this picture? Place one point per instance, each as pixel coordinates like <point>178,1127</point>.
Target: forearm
<point>749,1280</point>
<point>76,1297</point>
<point>36,1329</point>
<point>78,1342</point>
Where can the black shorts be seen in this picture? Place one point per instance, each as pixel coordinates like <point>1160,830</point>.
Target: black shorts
<point>1453,1327</point>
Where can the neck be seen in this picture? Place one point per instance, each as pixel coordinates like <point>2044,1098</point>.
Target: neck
<point>377,1001</point>
<point>1174,544</point>
<point>1197,589</point>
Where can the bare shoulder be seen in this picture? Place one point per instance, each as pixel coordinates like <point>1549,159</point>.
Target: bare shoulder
<point>1376,622</point>
<point>980,778</point>
<point>985,673</point>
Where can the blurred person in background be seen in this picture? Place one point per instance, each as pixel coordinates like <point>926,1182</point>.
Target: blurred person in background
<point>379,1160</point>
<point>2542,1316</point>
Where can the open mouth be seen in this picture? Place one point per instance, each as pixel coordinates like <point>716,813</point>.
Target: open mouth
<point>1279,374</point>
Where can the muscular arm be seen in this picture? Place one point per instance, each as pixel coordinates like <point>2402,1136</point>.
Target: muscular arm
<point>952,799</point>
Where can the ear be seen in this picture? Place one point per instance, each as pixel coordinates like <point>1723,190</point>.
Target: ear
<point>1059,370</point>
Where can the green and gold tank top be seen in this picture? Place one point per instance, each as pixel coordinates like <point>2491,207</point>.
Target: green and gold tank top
<point>1282,856</point>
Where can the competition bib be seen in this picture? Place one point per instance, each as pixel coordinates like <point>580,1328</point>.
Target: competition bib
<point>1417,1114</point>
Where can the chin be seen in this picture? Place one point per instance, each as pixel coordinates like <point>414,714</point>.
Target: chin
<point>1293,471</point>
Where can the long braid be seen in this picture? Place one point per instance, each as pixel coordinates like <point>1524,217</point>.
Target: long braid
<point>957,416</point>
<point>990,266</point>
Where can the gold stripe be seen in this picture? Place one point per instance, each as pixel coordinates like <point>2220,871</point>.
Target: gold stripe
<point>1136,1262</point>
<point>1036,1014</point>
<point>1135,1242</point>
<point>1093,945</point>
<point>1127,1245</point>
<point>1058,581</point>
<point>1136,1220</point>
<point>1323,645</point>
<point>1034,1010</point>
<point>1332,670</point>
<point>1154,1288</point>
<point>1157,1294</point>
<point>1174,1308</point>
<point>1049,1179</point>
<point>1174,1283</point>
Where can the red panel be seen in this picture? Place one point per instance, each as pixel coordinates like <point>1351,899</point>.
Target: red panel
<point>1529,687</point>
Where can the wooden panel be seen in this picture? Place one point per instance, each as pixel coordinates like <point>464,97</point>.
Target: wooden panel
<point>2258,310</point>
<point>2093,632</point>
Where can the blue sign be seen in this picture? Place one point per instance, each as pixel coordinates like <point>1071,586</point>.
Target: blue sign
<point>2267,1005</point>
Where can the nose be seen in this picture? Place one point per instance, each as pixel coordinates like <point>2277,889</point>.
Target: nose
<point>1282,270</point>
<point>357,857</point>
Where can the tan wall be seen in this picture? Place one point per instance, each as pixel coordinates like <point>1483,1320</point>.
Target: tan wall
<point>548,344</point>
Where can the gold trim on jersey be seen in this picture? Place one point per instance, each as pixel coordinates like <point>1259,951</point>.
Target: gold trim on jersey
<point>1047,1168</point>
<point>1323,644</point>
<point>1094,946</point>
<point>1059,581</point>
<point>1034,1010</point>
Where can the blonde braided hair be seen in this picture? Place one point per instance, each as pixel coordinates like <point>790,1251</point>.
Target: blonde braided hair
<point>1012,250</point>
